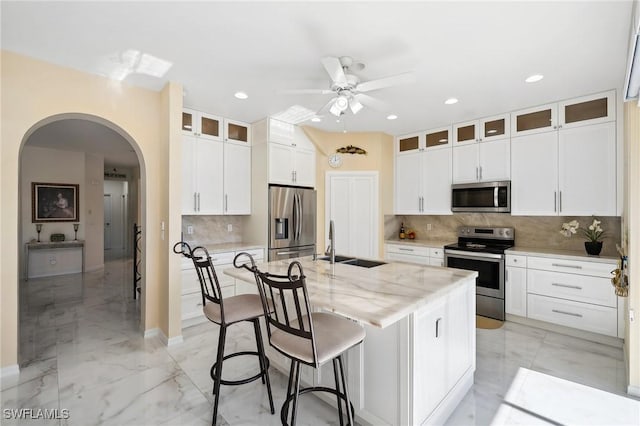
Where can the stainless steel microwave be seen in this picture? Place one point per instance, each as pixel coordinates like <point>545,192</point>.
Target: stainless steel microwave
<point>482,197</point>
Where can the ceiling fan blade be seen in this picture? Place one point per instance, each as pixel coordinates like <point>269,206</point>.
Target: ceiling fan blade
<point>355,105</point>
<point>371,102</point>
<point>334,68</point>
<point>381,83</point>
<point>307,91</point>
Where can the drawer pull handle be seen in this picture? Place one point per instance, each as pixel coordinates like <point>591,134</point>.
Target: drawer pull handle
<point>560,265</point>
<point>577,287</point>
<point>566,313</point>
<point>404,249</point>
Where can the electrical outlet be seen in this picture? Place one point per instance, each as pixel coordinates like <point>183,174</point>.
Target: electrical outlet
<point>190,230</point>
<point>52,260</point>
<point>428,227</point>
<point>229,228</point>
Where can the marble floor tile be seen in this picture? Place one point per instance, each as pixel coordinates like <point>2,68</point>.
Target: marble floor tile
<point>82,350</point>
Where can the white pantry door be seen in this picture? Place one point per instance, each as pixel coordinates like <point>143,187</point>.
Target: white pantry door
<point>351,200</point>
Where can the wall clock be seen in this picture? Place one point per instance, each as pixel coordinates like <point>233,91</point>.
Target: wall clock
<point>335,160</point>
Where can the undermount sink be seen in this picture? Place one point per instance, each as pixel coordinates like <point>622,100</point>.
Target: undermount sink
<point>363,263</point>
<point>339,259</point>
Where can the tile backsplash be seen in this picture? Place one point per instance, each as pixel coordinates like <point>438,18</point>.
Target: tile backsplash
<point>531,231</point>
<point>213,229</point>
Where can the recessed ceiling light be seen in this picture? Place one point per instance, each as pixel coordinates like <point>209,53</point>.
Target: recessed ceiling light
<point>241,95</point>
<point>392,117</point>
<point>534,78</point>
<point>451,101</point>
<point>316,119</point>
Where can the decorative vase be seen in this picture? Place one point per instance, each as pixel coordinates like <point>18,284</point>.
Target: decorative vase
<point>593,247</point>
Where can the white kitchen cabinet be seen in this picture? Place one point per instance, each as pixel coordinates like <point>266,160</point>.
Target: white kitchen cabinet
<point>482,161</point>
<point>573,292</point>
<point>515,292</point>
<point>292,163</point>
<point>466,133</point>
<point>587,170</point>
<point>280,132</point>
<point>412,253</point>
<point>568,172</point>
<point>237,179</point>
<point>409,144</point>
<point>443,351</point>
<point>216,177</point>
<point>483,130</point>
<point>202,177</point>
<point>202,125</point>
<point>408,183</point>
<point>423,182</point>
<point>237,132</point>
<point>582,111</point>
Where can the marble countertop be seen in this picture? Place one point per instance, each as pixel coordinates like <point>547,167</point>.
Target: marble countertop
<point>559,254</point>
<point>421,243</point>
<point>377,296</point>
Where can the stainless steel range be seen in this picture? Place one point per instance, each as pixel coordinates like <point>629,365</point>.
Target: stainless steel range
<point>482,250</point>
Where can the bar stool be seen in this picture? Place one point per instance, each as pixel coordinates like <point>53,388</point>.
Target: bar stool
<point>314,340</point>
<point>225,312</point>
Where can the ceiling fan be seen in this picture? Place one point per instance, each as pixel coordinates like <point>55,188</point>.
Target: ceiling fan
<point>349,92</point>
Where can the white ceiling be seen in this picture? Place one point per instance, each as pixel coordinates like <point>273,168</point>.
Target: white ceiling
<point>479,52</point>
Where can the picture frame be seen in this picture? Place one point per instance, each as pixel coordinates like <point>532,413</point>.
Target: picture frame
<point>55,202</point>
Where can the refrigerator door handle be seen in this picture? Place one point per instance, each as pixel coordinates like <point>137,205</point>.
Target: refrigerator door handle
<point>299,221</point>
<point>295,216</point>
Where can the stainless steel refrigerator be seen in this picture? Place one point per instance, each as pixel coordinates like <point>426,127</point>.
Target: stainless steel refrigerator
<point>292,222</point>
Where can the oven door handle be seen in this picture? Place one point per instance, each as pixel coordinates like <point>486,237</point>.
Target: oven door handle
<point>474,255</point>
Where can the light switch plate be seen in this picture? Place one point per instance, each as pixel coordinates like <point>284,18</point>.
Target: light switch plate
<point>229,228</point>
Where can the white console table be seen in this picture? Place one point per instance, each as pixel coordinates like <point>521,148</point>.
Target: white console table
<point>28,247</point>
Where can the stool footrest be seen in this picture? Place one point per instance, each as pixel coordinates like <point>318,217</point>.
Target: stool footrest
<point>285,405</point>
<point>241,381</point>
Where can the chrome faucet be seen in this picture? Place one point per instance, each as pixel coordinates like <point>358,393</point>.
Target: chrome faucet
<point>331,250</point>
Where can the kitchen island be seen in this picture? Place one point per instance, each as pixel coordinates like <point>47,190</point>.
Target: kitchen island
<point>418,358</point>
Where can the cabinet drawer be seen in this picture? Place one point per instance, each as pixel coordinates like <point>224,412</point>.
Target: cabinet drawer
<point>411,250</point>
<point>401,257</point>
<point>257,254</point>
<point>222,258</point>
<point>191,305</point>
<point>438,253</point>
<point>582,267</point>
<point>594,318</point>
<point>190,282</point>
<point>434,261</point>
<point>516,260</point>
<point>581,288</point>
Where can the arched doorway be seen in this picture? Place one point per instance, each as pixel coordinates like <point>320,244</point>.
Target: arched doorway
<point>78,149</point>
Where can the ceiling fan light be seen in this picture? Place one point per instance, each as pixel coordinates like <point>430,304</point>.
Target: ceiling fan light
<point>355,105</point>
<point>339,105</point>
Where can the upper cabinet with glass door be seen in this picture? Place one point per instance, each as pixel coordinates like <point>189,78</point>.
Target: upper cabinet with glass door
<point>592,109</point>
<point>237,132</point>
<point>411,143</point>
<point>486,129</point>
<point>465,133</point>
<point>586,110</point>
<point>438,138</point>
<point>201,124</point>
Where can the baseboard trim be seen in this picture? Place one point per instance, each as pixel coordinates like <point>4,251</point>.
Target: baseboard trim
<point>10,370</point>
<point>94,268</point>
<point>154,332</point>
<point>574,332</point>
<point>633,390</point>
<point>168,342</point>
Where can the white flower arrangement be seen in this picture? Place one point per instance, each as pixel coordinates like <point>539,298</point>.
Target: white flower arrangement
<point>593,232</point>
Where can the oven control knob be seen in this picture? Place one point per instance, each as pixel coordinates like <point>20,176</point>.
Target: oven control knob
<point>506,232</point>
<point>501,232</point>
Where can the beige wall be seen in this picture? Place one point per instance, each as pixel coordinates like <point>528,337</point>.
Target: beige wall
<point>379,157</point>
<point>631,239</point>
<point>33,92</point>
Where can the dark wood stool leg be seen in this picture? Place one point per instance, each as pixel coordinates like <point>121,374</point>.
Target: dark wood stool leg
<point>218,375</point>
<point>296,395</point>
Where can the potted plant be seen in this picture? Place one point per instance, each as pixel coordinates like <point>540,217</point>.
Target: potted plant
<point>593,233</point>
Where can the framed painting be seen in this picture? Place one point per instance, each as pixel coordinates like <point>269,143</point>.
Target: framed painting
<point>55,202</point>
